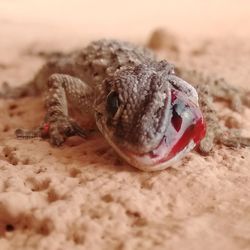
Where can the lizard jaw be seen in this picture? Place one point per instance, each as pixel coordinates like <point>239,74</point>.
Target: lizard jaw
<point>165,155</point>
<point>146,163</point>
<point>167,152</point>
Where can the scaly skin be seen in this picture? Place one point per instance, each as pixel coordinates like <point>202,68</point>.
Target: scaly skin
<point>128,92</point>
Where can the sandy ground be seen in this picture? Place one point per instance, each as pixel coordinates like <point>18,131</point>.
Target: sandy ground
<point>81,196</point>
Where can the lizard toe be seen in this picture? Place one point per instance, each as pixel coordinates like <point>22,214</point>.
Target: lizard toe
<point>57,140</point>
<point>61,129</point>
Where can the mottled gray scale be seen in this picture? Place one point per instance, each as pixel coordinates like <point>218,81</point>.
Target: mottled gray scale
<point>92,64</point>
<point>103,58</point>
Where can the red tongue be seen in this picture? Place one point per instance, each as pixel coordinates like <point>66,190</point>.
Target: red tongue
<point>186,127</point>
<point>194,132</point>
<point>186,124</point>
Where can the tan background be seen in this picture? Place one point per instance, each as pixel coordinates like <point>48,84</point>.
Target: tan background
<point>129,18</point>
<point>81,196</point>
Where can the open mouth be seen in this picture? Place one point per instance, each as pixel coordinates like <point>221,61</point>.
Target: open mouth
<point>185,130</point>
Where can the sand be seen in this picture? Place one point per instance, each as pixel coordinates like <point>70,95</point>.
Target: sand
<point>81,195</point>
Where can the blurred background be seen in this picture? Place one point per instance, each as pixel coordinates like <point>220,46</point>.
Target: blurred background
<point>128,19</point>
<point>63,25</point>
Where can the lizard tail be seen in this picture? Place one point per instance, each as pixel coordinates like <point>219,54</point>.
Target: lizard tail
<point>28,89</point>
<point>33,87</point>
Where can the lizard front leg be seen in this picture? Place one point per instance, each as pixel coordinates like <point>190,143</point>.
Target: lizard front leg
<point>57,125</point>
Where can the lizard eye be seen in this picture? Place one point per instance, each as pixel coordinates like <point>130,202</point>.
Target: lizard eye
<point>112,103</point>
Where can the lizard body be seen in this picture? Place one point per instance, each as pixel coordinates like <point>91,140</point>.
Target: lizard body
<point>149,115</point>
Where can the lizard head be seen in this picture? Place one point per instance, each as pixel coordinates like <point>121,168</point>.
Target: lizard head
<point>150,116</point>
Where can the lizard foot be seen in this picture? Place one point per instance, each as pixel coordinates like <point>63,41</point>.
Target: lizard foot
<point>57,131</point>
<point>233,139</point>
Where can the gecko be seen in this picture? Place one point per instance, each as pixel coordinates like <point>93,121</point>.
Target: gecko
<point>143,107</point>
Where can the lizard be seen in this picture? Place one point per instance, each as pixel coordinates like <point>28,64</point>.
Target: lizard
<point>150,116</point>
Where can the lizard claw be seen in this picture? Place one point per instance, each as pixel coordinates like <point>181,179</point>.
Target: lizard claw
<point>61,129</point>
<point>42,131</point>
<point>79,130</point>
<point>27,134</point>
<point>56,131</point>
